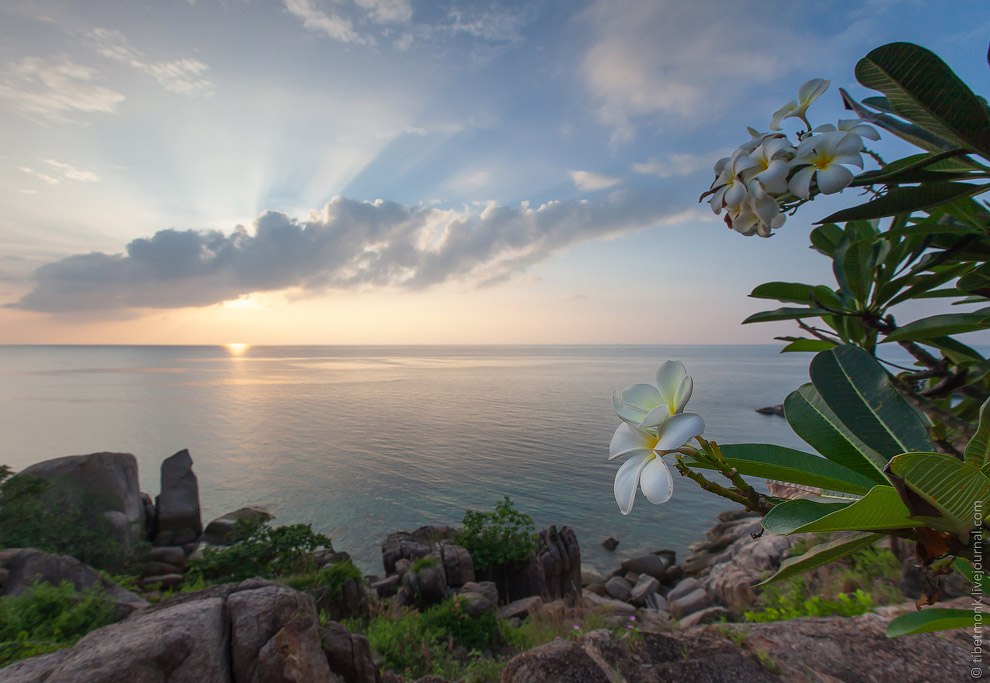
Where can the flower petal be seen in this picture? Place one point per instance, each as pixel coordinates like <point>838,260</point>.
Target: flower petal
<point>626,480</point>
<point>656,481</point>
<point>683,394</point>
<point>834,178</point>
<point>629,440</point>
<point>655,417</point>
<point>800,182</point>
<point>669,378</point>
<point>678,430</point>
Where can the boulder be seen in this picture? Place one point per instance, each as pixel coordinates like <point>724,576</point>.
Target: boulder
<point>458,566</point>
<point>553,572</point>
<point>520,608</point>
<point>387,587</point>
<point>23,567</point>
<point>169,554</point>
<point>486,588</point>
<point>646,587</point>
<point>742,564</point>
<point>708,615</point>
<point>646,564</point>
<point>475,604</point>
<point>179,518</point>
<point>686,586</point>
<point>618,588</point>
<point>694,601</point>
<point>96,484</point>
<point>424,586</point>
<point>607,604</point>
<point>610,544</point>
<point>349,655</point>
<point>412,545</point>
<point>159,568</point>
<point>164,581</point>
<point>220,530</point>
<point>590,575</point>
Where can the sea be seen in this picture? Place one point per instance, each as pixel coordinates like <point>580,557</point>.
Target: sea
<point>360,441</point>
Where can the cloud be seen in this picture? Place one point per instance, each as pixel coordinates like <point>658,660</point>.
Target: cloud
<point>679,164</point>
<point>334,26</point>
<point>682,60</point>
<point>349,244</point>
<point>386,11</point>
<point>44,177</point>
<point>179,76</point>
<point>588,181</point>
<point>55,89</point>
<point>64,171</point>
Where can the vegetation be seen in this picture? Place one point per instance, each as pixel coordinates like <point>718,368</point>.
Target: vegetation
<point>503,536</point>
<point>29,520</point>
<point>45,618</point>
<point>260,550</point>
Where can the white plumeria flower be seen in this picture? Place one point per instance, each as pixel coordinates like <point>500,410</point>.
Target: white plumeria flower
<point>645,467</point>
<point>856,126</point>
<point>770,164</point>
<point>807,93</point>
<point>822,157</point>
<point>647,406</point>
<point>759,215</point>
<point>729,188</point>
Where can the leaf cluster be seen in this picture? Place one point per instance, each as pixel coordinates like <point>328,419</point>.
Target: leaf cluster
<point>502,536</point>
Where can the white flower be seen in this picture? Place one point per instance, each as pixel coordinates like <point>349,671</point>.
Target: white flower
<point>770,164</point>
<point>728,189</point>
<point>758,215</point>
<point>807,94</point>
<point>646,406</point>
<point>821,156</point>
<point>645,467</point>
<point>856,126</point>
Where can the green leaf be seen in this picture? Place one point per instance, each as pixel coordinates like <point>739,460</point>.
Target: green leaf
<point>816,423</point>
<point>952,487</point>
<point>955,350</point>
<point>929,620</point>
<point>862,397</point>
<point>785,314</point>
<point>822,554</point>
<point>791,292</point>
<point>808,345</point>
<point>921,88</point>
<point>916,135</point>
<point>796,467</point>
<point>785,517</point>
<point>978,449</point>
<point>853,265</point>
<point>879,510</point>
<point>918,168</point>
<point>825,238</point>
<point>964,567</point>
<point>940,326</point>
<point>924,283</point>
<point>907,199</point>
<point>977,282</point>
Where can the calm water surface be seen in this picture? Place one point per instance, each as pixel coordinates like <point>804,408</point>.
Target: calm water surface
<point>360,441</point>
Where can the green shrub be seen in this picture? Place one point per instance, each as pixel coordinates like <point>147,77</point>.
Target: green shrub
<point>500,537</point>
<point>331,578</point>
<point>46,617</point>
<point>790,606</point>
<point>28,519</point>
<point>261,550</point>
<point>424,562</point>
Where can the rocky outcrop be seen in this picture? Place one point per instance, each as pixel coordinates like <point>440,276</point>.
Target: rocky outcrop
<point>102,486</point>
<point>254,631</point>
<point>553,572</point>
<point>179,520</point>
<point>220,530</point>
<point>22,567</point>
<point>349,654</point>
<point>412,545</point>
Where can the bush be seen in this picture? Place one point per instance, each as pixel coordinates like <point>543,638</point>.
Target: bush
<point>261,550</point>
<point>29,520</point>
<point>504,536</point>
<point>790,606</point>
<point>46,617</point>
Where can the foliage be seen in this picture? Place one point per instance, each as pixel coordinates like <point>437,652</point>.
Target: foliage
<point>424,562</point>
<point>502,536</point>
<point>844,605</point>
<point>29,520</point>
<point>260,550</point>
<point>46,617</point>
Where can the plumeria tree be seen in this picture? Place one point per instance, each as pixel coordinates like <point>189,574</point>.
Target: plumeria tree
<point>893,450</point>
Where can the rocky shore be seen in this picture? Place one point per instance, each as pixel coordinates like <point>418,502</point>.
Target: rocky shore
<point>680,612</point>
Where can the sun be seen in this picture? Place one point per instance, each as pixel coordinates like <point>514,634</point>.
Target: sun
<point>236,348</point>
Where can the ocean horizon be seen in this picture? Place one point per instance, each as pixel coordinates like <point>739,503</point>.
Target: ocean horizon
<point>360,441</point>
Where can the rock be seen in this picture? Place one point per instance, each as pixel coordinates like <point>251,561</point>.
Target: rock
<point>412,545</point>
<point>590,575</point>
<point>349,655</point>
<point>425,586</point>
<point>475,604</point>
<point>349,601</point>
<point>657,602</point>
<point>668,557</point>
<point>610,544</point>
<point>387,587</point>
<point>159,568</point>
<point>96,484</point>
<point>402,566</point>
<point>644,588</point>
<point>274,637</point>
<point>520,608</point>
<point>179,519</point>
<point>730,580</point>
<point>458,566</point>
<point>486,588</point>
<point>553,572</point>
<point>673,574</point>
<point>26,566</point>
<point>685,587</point>
<point>601,657</point>
<point>169,554</point>
<point>220,530</point>
<point>708,615</point>
<point>325,557</point>
<point>777,410</point>
<point>618,588</point>
<point>647,564</point>
<point>632,577</point>
<point>596,588</point>
<point>700,562</point>
<point>694,601</point>
<point>607,604</point>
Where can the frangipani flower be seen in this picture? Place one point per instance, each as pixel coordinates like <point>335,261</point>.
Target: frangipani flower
<point>821,156</point>
<point>645,467</point>
<point>770,164</point>
<point>758,215</point>
<point>728,189</point>
<point>856,126</point>
<point>646,406</point>
<point>807,93</point>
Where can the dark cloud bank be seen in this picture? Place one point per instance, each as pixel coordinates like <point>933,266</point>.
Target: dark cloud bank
<point>349,244</point>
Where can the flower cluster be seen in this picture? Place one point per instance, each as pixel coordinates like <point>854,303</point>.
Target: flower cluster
<point>653,423</point>
<point>770,175</point>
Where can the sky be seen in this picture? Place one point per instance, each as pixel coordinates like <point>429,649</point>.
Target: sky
<point>411,171</point>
